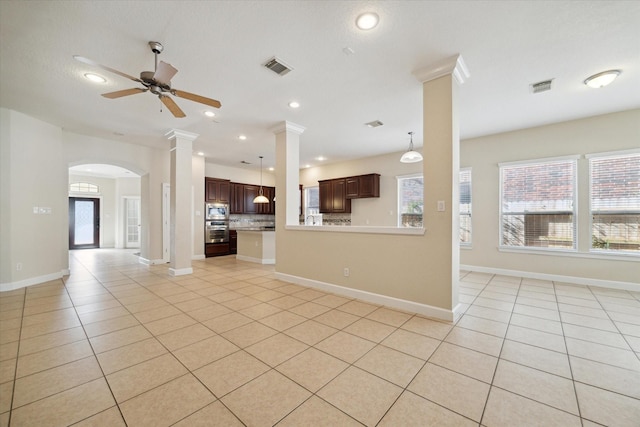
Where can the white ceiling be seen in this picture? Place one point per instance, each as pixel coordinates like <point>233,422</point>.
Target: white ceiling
<point>219,48</point>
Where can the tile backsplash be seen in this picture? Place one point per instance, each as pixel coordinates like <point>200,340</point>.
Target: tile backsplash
<point>246,221</point>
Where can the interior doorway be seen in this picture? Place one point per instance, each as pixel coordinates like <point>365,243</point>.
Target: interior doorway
<point>84,223</point>
<point>132,222</point>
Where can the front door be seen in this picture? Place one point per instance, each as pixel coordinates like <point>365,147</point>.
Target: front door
<point>84,223</point>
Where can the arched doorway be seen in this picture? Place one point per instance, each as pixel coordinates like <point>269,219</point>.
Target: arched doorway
<point>104,206</point>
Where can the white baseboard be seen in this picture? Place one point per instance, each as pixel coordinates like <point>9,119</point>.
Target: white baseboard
<point>198,257</point>
<point>10,286</point>
<point>180,271</point>
<point>256,260</point>
<point>400,304</point>
<point>611,284</point>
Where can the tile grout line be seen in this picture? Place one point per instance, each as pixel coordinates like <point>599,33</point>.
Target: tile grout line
<point>15,374</point>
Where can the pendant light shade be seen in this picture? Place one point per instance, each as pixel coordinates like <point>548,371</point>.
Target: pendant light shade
<point>260,198</point>
<point>411,156</point>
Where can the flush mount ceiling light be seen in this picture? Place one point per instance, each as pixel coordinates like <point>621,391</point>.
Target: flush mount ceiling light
<point>602,79</point>
<point>367,21</point>
<point>95,78</point>
<point>209,113</point>
<point>260,198</point>
<point>411,156</point>
<point>242,137</point>
<point>294,104</point>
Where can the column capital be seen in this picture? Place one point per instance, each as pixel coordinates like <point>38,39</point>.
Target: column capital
<point>288,127</point>
<point>453,65</point>
<point>181,134</point>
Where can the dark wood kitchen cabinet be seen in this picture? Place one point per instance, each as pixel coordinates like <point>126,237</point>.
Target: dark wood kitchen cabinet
<point>333,196</point>
<point>233,242</point>
<point>250,193</point>
<point>217,190</point>
<point>363,186</point>
<point>237,198</point>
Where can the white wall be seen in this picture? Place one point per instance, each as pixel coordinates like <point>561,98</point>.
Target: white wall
<point>611,132</point>
<point>241,175</point>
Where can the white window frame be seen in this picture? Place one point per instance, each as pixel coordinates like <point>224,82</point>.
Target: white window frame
<point>470,242</point>
<point>603,156</point>
<point>534,162</point>
<point>399,178</point>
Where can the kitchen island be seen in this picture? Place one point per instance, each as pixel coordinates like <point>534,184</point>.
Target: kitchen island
<point>256,245</point>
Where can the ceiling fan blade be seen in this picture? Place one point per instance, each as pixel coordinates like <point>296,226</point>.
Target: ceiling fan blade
<point>104,67</point>
<point>164,73</point>
<point>126,92</point>
<point>171,105</point>
<point>196,98</point>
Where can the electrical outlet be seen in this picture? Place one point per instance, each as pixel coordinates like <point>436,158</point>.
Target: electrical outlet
<point>346,272</point>
<point>19,266</point>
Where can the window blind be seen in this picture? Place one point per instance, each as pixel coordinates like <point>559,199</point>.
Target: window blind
<point>615,203</point>
<point>537,204</point>
<point>465,206</point>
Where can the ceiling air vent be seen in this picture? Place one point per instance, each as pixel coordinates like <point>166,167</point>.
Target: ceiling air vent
<point>277,66</point>
<point>541,86</point>
<point>374,124</point>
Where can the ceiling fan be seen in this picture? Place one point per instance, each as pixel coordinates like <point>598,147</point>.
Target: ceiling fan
<point>158,82</point>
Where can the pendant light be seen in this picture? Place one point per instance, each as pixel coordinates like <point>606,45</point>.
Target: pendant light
<point>260,198</point>
<point>411,156</point>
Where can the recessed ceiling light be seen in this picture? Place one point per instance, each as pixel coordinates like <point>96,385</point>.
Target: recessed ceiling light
<point>294,104</point>
<point>242,137</point>
<point>95,78</point>
<point>367,21</point>
<point>209,113</point>
<point>307,166</point>
<point>321,158</point>
<point>200,153</point>
<point>272,168</point>
<point>602,79</point>
<point>348,51</point>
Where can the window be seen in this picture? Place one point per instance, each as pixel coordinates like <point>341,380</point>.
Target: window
<point>83,187</point>
<point>410,200</point>
<point>615,203</point>
<point>311,201</point>
<point>411,203</point>
<point>537,201</point>
<point>465,206</point>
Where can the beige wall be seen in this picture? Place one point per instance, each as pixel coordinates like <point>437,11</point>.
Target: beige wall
<point>33,246</point>
<point>611,132</point>
<point>241,175</point>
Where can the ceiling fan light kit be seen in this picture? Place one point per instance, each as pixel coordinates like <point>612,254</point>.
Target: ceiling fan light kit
<point>157,82</point>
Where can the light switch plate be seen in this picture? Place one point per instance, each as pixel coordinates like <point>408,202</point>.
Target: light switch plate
<point>440,205</point>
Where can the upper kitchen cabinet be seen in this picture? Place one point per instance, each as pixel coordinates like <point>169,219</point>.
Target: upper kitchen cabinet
<point>217,190</point>
<point>363,186</point>
<point>237,198</point>
<point>333,196</point>
<point>250,193</point>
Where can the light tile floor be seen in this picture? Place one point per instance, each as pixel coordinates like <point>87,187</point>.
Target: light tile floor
<point>120,343</point>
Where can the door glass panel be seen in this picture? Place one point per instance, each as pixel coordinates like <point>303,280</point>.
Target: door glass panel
<point>133,221</point>
<point>83,223</point>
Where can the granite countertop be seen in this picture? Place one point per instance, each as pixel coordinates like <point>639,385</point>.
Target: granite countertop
<point>254,228</point>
